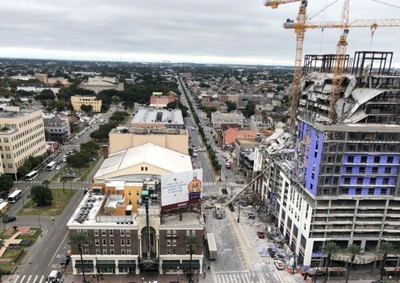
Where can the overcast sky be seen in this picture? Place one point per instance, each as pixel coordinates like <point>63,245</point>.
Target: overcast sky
<point>207,31</point>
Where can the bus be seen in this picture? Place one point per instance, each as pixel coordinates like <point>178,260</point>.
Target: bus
<point>3,207</point>
<point>14,196</point>
<point>51,166</point>
<point>31,176</point>
<point>211,245</point>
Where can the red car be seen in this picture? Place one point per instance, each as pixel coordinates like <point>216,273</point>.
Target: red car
<point>261,235</point>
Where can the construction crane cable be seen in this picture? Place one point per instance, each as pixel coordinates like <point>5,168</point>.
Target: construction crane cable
<point>322,10</point>
<point>388,4</point>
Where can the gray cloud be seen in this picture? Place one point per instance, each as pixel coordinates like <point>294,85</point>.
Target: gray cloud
<point>180,30</point>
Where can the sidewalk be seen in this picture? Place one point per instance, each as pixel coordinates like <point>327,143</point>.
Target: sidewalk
<point>147,278</point>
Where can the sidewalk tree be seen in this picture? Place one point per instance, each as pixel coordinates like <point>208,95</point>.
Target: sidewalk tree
<point>192,241</point>
<point>385,248</point>
<point>79,239</point>
<point>353,250</point>
<point>330,249</point>
<point>6,183</point>
<point>42,196</point>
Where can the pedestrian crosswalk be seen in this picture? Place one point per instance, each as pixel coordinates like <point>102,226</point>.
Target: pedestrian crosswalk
<point>29,279</point>
<point>239,277</point>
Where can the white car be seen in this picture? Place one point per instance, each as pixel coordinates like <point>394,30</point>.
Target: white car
<point>279,264</point>
<point>58,167</point>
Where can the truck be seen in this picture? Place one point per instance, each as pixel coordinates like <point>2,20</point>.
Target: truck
<point>211,245</point>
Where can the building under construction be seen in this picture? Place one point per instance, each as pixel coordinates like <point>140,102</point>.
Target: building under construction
<point>338,180</point>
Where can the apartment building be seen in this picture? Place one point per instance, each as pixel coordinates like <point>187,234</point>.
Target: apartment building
<point>339,180</point>
<point>163,127</point>
<point>21,135</point>
<point>77,101</point>
<point>134,222</point>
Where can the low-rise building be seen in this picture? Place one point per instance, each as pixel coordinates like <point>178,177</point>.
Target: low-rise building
<point>77,101</point>
<point>229,136</point>
<point>57,128</point>
<point>97,84</point>
<point>235,118</point>
<point>163,127</point>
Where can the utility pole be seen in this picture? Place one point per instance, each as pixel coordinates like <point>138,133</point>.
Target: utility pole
<point>239,214</point>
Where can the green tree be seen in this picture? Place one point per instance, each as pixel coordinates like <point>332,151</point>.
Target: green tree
<point>87,108</point>
<point>42,196</point>
<point>353,250</point>
<point>79,239</point>
<point>231,106</point>
<point>6,183</point>
<point>193,242</point>
<point>46,183</point>
<point>385,248</point>
<point>330,249</point>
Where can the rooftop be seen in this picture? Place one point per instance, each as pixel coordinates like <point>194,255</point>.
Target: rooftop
<point>158,116</point>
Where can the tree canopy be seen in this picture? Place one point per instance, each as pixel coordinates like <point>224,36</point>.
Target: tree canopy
<point>6,183</point>
<point>42,196</point>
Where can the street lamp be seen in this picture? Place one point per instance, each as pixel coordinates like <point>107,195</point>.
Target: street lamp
<point>226,181</point>
<point>177,276</point>
<point>239,214</point>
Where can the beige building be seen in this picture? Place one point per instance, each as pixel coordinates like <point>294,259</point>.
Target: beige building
<point>77,101</point>
<point>162,127</point>
<point>21,135</point>
<point>97,84</point>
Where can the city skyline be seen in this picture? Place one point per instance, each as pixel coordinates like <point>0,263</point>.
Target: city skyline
<point>221,32</point>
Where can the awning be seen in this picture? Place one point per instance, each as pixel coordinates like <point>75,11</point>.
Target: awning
<point>171,264</point>
<point>126,265</point>
<point>105,265</point>
<point>85,265</point>
<point>186,264</point>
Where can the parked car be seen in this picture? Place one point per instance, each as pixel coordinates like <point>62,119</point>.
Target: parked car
<point>58,167</point>
<point>279,264</point>
<point>8,219</point>
<point>65,260</point>
<point>231,207</point>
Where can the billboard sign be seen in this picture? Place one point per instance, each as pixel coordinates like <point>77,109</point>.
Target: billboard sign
<point>182,187</point>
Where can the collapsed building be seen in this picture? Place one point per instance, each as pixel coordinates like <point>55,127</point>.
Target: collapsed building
<point>338,180</point>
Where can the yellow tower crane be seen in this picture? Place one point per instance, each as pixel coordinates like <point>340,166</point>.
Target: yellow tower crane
<point>301,25</point>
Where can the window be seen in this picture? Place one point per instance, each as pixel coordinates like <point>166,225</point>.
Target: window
<point>122,242</point>
<point>374,170</point>
<point>168,243</point>
<point>383,191</point>
<point>104,243</point>
<point>128,242</point>
<point>111,233</point>
<point>349,170</point>
<point>371,191</point>
<point>169,233</point>
<point>372,181</point>
<point>105,251</point>
<point>96,232</point>
<point>86,252</point>
<point>104,232</point>
<point>128,233</point>
<point>388,170</point>
<point>362,170</point>
<point>97,242</point>
<point>358,191</point>
<point>8,156</point>
<point>360,181</point>
<point>377,159</point>
<point>122,233</point>
<point>385,181</point>
<point>363,159</point>
<point>10,165</point>
<point>112,252</point>
<point>347,180</point>
<point>389,159</point>
<point>173,233</point>
<point>123,251</point>
<point>98,251</point>
<point>111,242</point>
<point>350,159</point>
<point>128,251</point>
<point>174,242</point>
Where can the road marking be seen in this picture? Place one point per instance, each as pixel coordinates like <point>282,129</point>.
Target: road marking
<point>66,235</point>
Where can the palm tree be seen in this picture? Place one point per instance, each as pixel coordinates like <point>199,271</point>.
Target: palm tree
<point>354,250</point>
<point>192,241</point>
<point>80,238</point>
<point>330,249</point>
<point>385,248</point>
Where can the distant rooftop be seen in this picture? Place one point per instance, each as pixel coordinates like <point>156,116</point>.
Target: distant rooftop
<point>151,116</point>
